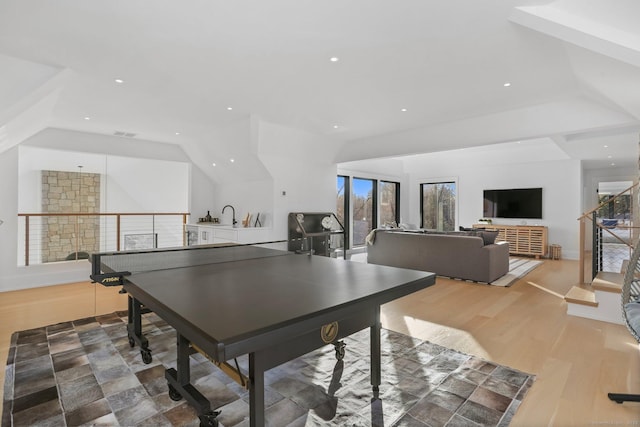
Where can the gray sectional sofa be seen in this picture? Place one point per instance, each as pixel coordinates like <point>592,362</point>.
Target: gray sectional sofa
<point>457,255</point>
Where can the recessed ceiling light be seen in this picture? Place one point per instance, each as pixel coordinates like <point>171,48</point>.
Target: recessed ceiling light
<point>232,160</point>
<point>213,164</point>
<point>336,126</point>
<point>404,110</point>
<point>606,146</point>
<point>229,108</point>
<point>334,59</point>
<point>119,81</point>
<point>177,133</point>
<point>87,118</point>
<point>507,84</point>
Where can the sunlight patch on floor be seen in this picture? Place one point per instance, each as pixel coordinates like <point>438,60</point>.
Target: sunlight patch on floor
<point>443,335</point>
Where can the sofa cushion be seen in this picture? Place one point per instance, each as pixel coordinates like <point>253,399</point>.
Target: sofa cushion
<point>407,226</point>
<point>488,237</point>
<point>452,233</point>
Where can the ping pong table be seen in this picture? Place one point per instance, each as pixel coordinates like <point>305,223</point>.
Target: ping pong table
<point>270,304</point>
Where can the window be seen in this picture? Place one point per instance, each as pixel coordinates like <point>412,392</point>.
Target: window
<point>363,204</point>
<point>363,197</point>
<point>389,202</point>
<point>342,205</point>
<point>438,206</point>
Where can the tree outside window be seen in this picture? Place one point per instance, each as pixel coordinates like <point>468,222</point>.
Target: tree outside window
<point>389,196</point>
<point>340,200</point>
<point>438,206</point>
<point>363,200</point>
<point>358,209</point>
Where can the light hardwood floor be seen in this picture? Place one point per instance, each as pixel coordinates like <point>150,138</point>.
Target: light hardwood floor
<point>577,361</point>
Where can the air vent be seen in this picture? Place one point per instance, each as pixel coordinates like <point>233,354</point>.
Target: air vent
<point>124,134</point>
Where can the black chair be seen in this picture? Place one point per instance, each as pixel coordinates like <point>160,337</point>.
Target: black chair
<point>631,311</point>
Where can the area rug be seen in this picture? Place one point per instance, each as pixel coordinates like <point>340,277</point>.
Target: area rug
<point>84,372</point>
<point>518,268</point>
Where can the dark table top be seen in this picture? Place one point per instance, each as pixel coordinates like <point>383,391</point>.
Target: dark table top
<point>247,291</point>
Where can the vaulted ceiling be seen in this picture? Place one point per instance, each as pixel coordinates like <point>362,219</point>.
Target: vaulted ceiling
<point>406,77</point>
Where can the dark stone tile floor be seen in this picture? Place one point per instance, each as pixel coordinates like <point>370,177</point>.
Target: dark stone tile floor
<point>85,373</point>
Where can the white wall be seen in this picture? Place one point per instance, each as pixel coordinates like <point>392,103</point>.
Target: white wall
<point>250,197</point>
<point>8,214</point>
<point>299,175</point>
<point>302,167</point>
<point>131,184</point>
<point>146,185</point>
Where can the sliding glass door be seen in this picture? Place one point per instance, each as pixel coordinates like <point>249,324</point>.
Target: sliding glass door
<point>363,204</point>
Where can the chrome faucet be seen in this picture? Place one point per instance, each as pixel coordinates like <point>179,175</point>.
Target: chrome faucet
<point>234,222</point>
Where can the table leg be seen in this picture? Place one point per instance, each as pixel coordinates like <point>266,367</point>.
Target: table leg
<point>179,382</point>
<point>134,329</point>
<point>184,368</point>
<point>256,391</point>
<point>130,327</point>
<point>375,354</point>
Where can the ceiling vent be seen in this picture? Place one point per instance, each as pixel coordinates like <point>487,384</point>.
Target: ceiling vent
<point>124,134</point>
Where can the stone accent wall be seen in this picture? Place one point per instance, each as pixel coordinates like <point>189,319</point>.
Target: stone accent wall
<point>69,192</point>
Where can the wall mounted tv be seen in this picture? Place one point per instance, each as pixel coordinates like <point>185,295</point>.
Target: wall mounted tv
<point>513,203</point>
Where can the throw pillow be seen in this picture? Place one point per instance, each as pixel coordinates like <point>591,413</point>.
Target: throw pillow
<point>488,237</point>
<point>407,226</point>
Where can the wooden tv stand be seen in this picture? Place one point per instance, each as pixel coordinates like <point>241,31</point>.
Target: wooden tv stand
<point>523,239</point>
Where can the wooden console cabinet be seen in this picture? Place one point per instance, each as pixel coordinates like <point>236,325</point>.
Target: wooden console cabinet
<point>523,239</point>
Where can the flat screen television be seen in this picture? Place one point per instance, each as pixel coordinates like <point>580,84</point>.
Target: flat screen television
<point>523,203</point>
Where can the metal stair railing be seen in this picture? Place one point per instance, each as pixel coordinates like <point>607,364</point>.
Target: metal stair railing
<point>610,243</point>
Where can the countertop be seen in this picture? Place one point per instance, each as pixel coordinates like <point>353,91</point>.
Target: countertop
<point>226,226</point>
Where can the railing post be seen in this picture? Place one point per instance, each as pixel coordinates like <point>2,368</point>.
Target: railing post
<point>184,230</point>
<point>595,247</point>
<point>118,232</point>
<point>26,240</point>
<point>581,252</point>
<point>77,236</point>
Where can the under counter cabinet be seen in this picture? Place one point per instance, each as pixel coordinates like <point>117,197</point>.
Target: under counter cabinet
<point>205,236</point>
<point>208,234</point>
